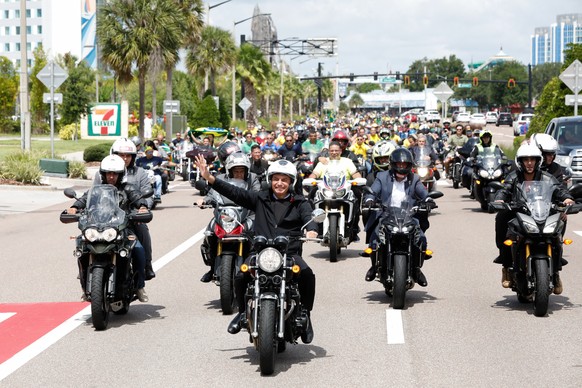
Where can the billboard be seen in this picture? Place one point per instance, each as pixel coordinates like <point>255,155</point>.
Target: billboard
<point>106,121</point>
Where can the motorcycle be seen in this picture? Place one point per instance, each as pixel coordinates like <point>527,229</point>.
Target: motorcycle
<point>229,228</point>
<point>536,241</point>
<point>456,166</point>
<point>274,311</point>
<point>104,252</point>
<point>489,166</point>
<point>424,168</point>
<point>209,155</point>
<point>334,195</point>
<point>398,233</point>
<point>183,162</point>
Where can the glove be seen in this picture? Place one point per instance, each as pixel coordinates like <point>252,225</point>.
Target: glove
<point>369,203</point>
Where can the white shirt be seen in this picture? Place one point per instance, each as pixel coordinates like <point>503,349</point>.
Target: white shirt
<point>398,194</point>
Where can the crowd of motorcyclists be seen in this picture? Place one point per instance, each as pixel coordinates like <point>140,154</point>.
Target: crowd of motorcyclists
<point>392,155</point>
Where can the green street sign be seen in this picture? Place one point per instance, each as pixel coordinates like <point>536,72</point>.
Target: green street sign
<point>464,86</point>
<point>388,80</point>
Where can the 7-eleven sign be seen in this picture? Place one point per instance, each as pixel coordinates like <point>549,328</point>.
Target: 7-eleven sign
<point>105,120</point>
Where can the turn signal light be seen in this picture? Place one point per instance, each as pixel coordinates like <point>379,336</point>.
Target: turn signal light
<point>508,242</point>
<point>368,250</point>
<point>568,241</point>
<point>296,269</point>
<point>428,252</point>
<point>478,182</point>
<point>244,268</point>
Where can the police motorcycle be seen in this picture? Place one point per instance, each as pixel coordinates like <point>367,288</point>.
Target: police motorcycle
<point>425,168</point>
<point>489,166</point>
<point>228,237</point>
<point>274,311</point>
<point>398,240</point>
<point>104,251</point>
<point>334,195</point>
<point>536,240</point>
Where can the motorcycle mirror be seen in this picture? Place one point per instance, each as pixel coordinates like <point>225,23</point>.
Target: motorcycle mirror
<point>435,194</point>
<point>147,193</point>
<point>70,193</point>
<point>576,190</point>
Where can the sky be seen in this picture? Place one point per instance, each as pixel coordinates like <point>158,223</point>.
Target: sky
<point>386,35</point>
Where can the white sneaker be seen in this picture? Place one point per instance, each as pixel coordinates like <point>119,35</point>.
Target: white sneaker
<point>142,296</point>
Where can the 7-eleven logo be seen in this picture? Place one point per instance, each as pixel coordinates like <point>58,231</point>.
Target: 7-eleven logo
<point>104,118</point>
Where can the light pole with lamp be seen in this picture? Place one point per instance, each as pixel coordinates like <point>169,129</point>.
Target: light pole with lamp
<point>234,64</point>
<point>208,8</point>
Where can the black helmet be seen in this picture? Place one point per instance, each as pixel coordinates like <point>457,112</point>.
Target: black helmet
<point>226,149</point>
<point>401,155</point>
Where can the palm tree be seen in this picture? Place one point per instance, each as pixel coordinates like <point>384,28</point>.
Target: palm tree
<point>215,54</point>
<point>254,71</point>
<point>130,31</point>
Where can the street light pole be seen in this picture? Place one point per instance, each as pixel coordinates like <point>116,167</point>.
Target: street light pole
<point>209,7</point>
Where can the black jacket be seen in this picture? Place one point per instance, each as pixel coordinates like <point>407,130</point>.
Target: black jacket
<point>130,198</point>
<point>516,177</point>
<point>296,212</point>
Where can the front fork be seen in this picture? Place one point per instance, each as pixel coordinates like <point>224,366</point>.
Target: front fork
<point>529,264</point>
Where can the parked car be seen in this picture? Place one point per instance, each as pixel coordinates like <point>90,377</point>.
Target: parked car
<point>463,117</point>
<point>454,116</point>
<point>568,132</point>
<point>433,116</point>
<point>491,117</point>
<point>521,124</point>
<point>477,121</point>
<point>504,118</point>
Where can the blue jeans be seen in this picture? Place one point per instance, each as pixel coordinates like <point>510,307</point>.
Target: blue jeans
<point>157,186</point>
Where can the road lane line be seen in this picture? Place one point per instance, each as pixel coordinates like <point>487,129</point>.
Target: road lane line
<point>43,343</point>
<point>394,327</point>
<point>578,232</point>
<point>5,316</point>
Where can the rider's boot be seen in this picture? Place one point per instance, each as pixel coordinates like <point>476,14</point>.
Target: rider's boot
<point>506,278</point>
<point>558,288</point>
<point>239,321</point>
<point>419,278</point>
<point>371,274</point>
<point>307,335</point>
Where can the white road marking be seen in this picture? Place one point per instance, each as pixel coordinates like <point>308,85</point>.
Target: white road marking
<point>394,327</point>
<point>5,316</point>
<point>43,343</point>
<point>578,232</point>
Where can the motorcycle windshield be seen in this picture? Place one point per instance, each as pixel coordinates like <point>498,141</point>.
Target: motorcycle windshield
<point>400,215</point>
<point>335,177</point>
<point>537,196</point>
<point>422,157</point>
<point>489,158</point>
<point>222,200</point>
<point>103,207</point>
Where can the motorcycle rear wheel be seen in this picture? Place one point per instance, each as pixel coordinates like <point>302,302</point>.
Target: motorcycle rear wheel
<point>400,276</point>
<point>99,304</point>
<point>267,341</point>
<point>333,238</point>
<point>542,290</point>
<point>227,299</point>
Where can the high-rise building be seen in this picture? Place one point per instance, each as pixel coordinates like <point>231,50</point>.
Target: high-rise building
<point>53,24</point>
<point>548,43</point>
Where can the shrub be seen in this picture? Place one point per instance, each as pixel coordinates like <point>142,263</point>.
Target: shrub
<point>97,152</point>
<point>156,130</point>
<point>66,132</point>
<point>22,166</point>
<point>133,130</point>
<point>77,170</point>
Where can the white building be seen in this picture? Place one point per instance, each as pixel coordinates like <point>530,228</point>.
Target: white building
<point>54,24</point>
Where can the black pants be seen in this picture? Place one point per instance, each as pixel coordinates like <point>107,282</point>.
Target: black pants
<point>501,225</point>
<point>305,281</point>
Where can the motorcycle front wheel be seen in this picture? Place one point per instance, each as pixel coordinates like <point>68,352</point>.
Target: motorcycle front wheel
<point>267,343</point>
<point>227,299</point>
<point>542,290</point>
<point>99,304</point>
<point>333,237</point>
<point>400,276</point>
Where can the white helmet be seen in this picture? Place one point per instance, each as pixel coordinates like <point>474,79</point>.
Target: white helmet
<point>112,163</point>
<point>381,150</point>
<point>528,151</point>
<point>282,167</point>
<point>237,159</point>
<point>544,142</point>
<point>123,146</point>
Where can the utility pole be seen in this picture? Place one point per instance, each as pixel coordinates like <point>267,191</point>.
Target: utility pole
<point>319,85</point>
<point>24,113</point>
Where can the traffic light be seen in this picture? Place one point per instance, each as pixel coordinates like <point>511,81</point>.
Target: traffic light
<point>511,83</point>
<point>351,77</point>
<point>398,75</point>
<point>375,76</point>
<point>406,80</point>
<point>456,81</point>
<point>425,80</point>
<point>475,81</point>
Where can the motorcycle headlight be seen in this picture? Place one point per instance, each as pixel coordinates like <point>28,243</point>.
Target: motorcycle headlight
<point>109,234</point>
<point>497,173</point>
<point>483,174</point>
<point>329,193</point>
<point>228,220</point>
<point>551,227</point>
<point>530,227</point>
<point>422,171</point>
<point>92,234</point>
<point>270,260</point>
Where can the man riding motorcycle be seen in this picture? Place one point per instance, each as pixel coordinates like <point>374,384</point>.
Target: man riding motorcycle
<point>528,160</point>
<point>455,141</point>
<point>549,146</point>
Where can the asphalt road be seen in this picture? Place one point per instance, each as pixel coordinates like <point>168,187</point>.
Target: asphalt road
<point>462,330</point>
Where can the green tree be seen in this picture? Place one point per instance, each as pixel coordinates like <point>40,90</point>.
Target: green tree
<point>207,114</point>
<point>129,32</point>
<point>75,89</point>
<point>542,74</point>
<point>356,101</point>
<point>437,70</point>
<point>39,111</point>
<point>367,87</point>
<point>214,55</point>
<point>254,70</point>
<point>8,91</point>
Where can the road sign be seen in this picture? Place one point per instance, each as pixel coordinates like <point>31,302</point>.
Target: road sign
<point>388,80</point>
<point>57,98</point>
<point>443,92</point>
<point>464,86</point>
<point>52,75</point>
<point>172,106</point>
<point>572,76</point>
<point>245,104</point>
<point>572,99</point>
